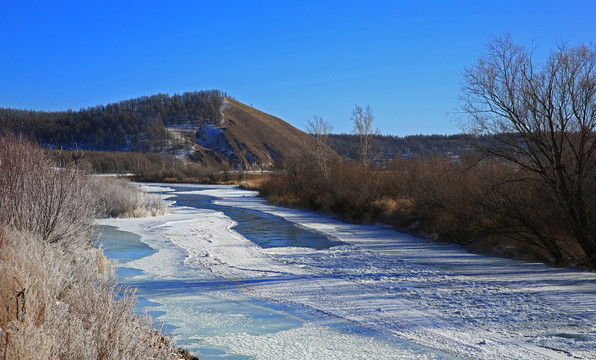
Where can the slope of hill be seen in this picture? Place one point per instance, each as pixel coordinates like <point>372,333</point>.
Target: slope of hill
<point>248,138</point>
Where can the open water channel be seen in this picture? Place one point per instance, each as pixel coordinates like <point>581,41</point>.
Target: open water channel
<point>213,318</point>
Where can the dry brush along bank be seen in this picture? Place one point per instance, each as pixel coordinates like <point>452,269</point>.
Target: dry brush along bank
<point>59,296</point>
<point>477,202</point>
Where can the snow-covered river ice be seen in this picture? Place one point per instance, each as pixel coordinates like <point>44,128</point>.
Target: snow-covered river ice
<point>232,277</point>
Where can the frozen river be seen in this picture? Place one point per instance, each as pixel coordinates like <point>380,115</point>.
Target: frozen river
<point>234,278</point>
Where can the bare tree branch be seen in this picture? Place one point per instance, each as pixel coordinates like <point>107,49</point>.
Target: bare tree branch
<point>363,119</point>
<point>543,119</point>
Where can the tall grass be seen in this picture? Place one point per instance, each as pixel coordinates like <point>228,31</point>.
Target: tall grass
<point>60,306</point>
<point>118,197</point>
<point>59,300</point>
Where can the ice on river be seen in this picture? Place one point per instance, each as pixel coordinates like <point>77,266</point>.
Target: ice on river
<point>432,294</point>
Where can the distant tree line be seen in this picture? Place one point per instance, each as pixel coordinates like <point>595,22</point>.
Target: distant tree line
<point>130,125</point>
<point>392,147</point>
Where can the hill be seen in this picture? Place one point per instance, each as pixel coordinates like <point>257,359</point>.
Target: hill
<point>248,138</point>
<point>207,127</point>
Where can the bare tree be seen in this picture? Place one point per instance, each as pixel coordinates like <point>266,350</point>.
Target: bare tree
<point>543,120</point>
<point>321,150</point>
<point>363,119</point>
<point>35,196</point>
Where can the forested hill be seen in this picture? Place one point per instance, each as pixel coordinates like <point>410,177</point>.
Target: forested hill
<point>130,125</point>
<point>206,127</point>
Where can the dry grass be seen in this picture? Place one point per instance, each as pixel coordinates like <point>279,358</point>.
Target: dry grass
<point>388,206</point>
<point>59,298</point>
<point>121,198</point>
<point>60,306</point>
<point>265,137</point>
<point>253,181</point>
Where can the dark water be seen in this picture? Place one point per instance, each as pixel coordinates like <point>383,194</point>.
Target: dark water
<point>263,229</point>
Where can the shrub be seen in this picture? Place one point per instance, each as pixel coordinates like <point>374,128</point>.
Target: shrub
<point>118,197</point>
<point>59,300</point>
<point>59,306</point>
<point>37,197</point>
<point>479,202</point>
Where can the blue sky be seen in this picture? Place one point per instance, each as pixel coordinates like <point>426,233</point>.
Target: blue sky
<point>291,59</point>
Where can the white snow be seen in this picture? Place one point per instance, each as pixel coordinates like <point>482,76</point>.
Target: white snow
<point>212,137</point>
<point>433,294</point>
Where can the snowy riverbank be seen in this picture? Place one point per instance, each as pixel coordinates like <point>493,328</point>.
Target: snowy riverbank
<point>435,295</point>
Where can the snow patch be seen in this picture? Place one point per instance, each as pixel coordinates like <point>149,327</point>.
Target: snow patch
<point>212,137</point>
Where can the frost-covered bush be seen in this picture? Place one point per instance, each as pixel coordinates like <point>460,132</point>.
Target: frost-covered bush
<point>35,196</point>
<point>58,298</point>
<point>119,197</point>
<point>59,305</point>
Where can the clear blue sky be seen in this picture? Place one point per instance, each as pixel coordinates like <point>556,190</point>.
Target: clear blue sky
<point>290,59</point>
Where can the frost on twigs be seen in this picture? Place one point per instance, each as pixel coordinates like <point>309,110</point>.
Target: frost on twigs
<point>58,294</point>
<point>56,204</point>
<point>121,198</point>
<point>68,309</point>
